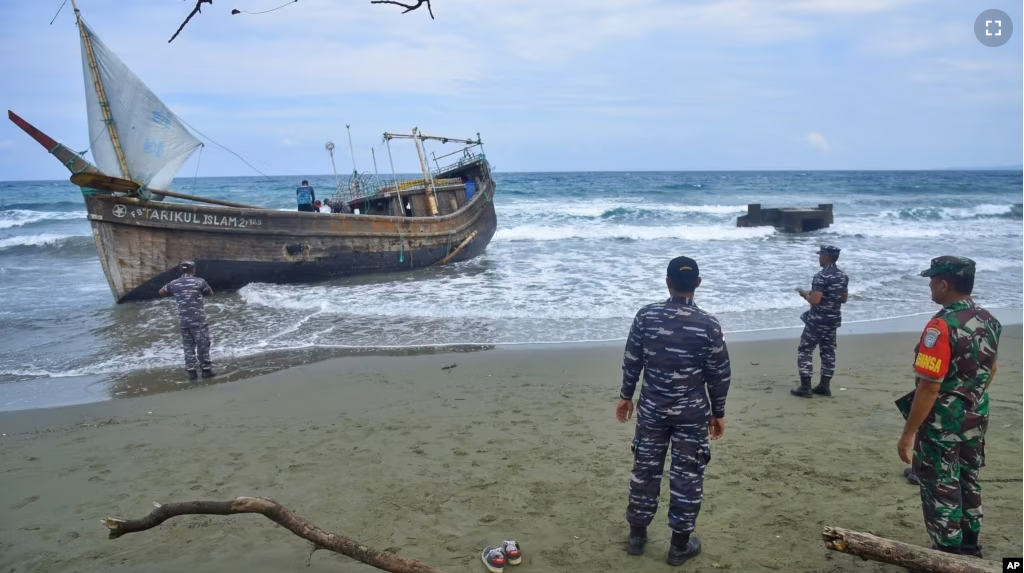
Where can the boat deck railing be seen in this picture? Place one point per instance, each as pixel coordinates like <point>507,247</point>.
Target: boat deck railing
<point>370,186</point>
<point>466,159</point>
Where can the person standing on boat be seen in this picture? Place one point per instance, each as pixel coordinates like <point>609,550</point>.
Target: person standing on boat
<point>188,291</point>
<point>829,290</point>
<point>305,196</point>
<point>682,353</point>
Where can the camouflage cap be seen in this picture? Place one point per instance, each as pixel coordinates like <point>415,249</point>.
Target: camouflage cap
<point>186,265</point>
<point>950,265</point>
<point>829,250</point>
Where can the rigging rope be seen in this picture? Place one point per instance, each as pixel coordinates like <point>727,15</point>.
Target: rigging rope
<point>198,161</point>
<point>401,244</point>
<point>228,150</point>
<point>58,12</point>
<point>237,11</point>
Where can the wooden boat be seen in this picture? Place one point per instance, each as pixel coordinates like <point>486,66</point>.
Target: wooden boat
<point>139,145</point>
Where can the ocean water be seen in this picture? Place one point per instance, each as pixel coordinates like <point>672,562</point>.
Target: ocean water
<point>575,256</point>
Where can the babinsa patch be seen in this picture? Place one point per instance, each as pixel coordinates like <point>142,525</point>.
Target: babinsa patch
<point>931,336</point>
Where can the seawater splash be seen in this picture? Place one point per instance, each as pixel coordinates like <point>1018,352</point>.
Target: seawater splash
<point>574,257</point>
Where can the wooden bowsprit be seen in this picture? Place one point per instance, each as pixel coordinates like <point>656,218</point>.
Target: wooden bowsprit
<point>102,182</point>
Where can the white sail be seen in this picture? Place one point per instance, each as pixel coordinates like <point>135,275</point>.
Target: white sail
<point>154,141</point>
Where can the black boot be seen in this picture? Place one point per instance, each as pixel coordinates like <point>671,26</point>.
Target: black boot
<point>192,375</point>
<point>970,545</point>
<point>684,547</point>
<point>822,387</point>
<point>804,391</point>
<point>208,373</point>
<point>637,540</point>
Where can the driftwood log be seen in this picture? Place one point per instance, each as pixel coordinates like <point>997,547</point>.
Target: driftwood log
<point>867,546</point>
<point>280,515</point>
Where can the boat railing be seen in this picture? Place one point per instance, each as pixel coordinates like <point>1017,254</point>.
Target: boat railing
<point>470,157</point>
<point>369,186</point>
<point>389,187</point>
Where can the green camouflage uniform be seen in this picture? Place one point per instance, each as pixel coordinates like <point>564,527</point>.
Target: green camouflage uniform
<point>949,448</point>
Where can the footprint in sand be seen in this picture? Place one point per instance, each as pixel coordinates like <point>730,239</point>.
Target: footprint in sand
<point>25,502</point>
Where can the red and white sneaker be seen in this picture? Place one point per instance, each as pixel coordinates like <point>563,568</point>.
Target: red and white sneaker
<point>513,554</point>
<point>493,559</point>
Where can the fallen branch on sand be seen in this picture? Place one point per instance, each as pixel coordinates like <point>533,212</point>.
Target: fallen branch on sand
<point>867,546</point>
<point>280,515</point>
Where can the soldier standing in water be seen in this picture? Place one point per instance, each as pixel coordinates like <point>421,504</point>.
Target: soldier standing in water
<point>188,291</point>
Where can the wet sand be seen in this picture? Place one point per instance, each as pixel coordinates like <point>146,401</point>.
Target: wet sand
<point>434,463</point>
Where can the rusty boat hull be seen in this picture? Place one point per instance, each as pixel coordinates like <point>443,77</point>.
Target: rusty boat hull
<point>140,243</point>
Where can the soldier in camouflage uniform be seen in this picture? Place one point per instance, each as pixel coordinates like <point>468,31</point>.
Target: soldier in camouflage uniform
<point>682,353</point>
<point>947,413</point>
<point>188,291</point>
<point>827,295</point>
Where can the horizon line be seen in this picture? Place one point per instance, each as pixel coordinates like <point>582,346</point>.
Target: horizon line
<point>906,170</point>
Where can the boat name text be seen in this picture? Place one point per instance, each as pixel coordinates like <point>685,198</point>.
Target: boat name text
<point>188,217</point>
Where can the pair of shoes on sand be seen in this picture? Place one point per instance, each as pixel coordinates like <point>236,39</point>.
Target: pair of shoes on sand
<point>495,558</point>
<point>207,373</point>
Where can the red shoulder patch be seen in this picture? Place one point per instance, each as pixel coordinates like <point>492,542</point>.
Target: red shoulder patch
<point>934,351</point>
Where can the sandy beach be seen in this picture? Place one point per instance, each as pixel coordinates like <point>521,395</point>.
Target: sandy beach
<point>434,463</point>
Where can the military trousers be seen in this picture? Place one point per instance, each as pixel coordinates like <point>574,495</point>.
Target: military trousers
<point>691,453</point>
<point>196,340</point>
<point>950,490</point>
<point>823,337</point>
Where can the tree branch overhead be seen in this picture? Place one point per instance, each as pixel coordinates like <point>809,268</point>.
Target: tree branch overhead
<point>408,7</point>
<point>196,10</point>
<point>199,3</point>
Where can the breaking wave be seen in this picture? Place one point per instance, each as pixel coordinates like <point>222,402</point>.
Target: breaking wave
<point>10,218</point>
<point>948,213</point>
<point>52,244</point>
<point>629,232</point>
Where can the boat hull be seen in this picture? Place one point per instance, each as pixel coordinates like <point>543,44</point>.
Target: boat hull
<point>140,243</point>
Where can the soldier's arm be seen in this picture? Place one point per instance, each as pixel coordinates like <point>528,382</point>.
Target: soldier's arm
<point>717,370</point>
<point>924,400</point>
<point>930,367</point>
<point>207,291</point>
<point>165,290</point>
<point>633,358</point>
<point>817,290</point>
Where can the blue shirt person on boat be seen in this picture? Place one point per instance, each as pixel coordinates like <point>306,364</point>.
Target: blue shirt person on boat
<point>305,196</point>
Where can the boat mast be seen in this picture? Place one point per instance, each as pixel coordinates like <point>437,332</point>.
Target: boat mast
<point>101,95</point>
<point>428,188</point>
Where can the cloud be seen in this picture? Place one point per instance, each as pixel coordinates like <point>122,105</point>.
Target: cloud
<point>6,144</point>
<point>659,83</point>
<point>818,141</point>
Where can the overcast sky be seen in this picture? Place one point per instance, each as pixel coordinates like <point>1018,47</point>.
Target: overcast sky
<point>551,85</point>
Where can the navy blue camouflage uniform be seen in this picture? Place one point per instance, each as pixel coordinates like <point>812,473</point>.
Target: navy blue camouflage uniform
<point>682,353</point>
<point>822,320</point>
<point>188,291</point>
